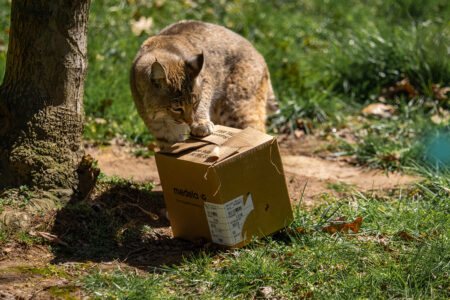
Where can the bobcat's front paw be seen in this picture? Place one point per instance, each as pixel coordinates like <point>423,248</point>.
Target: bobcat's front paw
<point>202,128</point>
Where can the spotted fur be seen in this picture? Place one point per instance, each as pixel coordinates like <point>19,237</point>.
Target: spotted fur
<point>193,75</point>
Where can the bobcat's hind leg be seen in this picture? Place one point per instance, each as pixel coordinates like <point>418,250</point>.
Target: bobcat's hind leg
<point>241,108</point>
<point>241,113</point>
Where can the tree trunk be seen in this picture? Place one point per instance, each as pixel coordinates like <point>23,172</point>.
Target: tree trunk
<point>41,98</point>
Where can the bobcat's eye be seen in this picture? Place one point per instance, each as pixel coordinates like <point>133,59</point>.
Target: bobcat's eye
<point>177,110</point>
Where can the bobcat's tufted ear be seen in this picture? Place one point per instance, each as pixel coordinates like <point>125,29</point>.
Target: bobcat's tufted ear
<point>157,72</point>
<point>194,64</point>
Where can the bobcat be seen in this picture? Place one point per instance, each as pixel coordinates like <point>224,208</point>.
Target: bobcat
<point>193,75</point>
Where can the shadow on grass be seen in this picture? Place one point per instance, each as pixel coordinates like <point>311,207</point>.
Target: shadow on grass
<point>119,223</point>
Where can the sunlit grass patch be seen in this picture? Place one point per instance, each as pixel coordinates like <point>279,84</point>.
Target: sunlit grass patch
<point>327,59</point>
<point>400,250</point>
<point>398,141</point>
<point>124,285</point>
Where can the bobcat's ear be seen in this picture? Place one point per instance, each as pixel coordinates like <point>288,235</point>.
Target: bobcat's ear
<point>194,64</point>
<point>157,72</point>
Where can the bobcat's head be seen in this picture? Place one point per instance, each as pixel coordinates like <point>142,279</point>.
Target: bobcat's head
<point>167,86</point>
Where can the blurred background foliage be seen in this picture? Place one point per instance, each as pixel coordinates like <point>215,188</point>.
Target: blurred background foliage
<point>327,59</point>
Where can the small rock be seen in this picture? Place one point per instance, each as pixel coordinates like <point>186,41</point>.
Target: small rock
<point>16,221</point>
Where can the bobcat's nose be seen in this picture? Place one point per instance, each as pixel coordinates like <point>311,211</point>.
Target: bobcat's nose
<point>188,119</point>
<point>188,116</point>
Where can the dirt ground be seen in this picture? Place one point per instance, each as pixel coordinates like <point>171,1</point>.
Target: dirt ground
<point>303,160</point>
<point>32,271</point>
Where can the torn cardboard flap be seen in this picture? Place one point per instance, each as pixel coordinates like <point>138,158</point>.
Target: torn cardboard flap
<point>220,135</point>
<point>222,143</point>
<point>181,147</point>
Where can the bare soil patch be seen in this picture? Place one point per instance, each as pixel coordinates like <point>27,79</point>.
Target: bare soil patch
<point>24,274</point>
<point>305,162</point>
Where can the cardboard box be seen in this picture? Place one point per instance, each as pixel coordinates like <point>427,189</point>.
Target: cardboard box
<point>226,187</point>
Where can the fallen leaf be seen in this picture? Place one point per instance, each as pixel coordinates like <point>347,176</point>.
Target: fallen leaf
<point>385,245</point>
<point>337,227</point>
<point>304,124</point>
<point>142,25</point>
<point>402,86</point>
<point>379,109</point>
<point>298,133</point>
<point>265,292</point>
<point>391,157</point>
<point>413,192</point>
<point>440,93</point>
<point>100,121</point>
<point>300,229</point>
<point>7,250</point>
<point>340,219</point>
<point>404,235</point>
<point>442,117</point>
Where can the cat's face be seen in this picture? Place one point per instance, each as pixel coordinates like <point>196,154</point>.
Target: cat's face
<point>168,88</point>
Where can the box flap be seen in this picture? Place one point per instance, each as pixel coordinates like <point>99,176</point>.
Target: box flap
<point>189,144</point>
<point>222,143</point>
<point>220,135</point>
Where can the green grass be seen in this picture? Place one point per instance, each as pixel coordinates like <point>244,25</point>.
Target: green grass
<point>394,143</point>
<point>18,199</point>
<point>326,57</point>
<point>401,251</point>
<point>327,60</point>
<point>341,187</point>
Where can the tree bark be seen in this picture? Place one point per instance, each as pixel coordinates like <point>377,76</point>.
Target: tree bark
<point>41,97</point>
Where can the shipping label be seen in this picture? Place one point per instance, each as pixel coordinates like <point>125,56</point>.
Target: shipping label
<point>226,221</point>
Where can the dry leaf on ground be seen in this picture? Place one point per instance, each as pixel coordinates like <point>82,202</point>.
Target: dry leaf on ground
<point>265,292</point>
<point>403,86</point>
<point>142,25</point>
<point>337,227</point>
<point>440,93</point>
<point>298,133</point>
<point>406,236</point>
<point>391,157</point>
<point>380,109</point>
<point>442,117</point>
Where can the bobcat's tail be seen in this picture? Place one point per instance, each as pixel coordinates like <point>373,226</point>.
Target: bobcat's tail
<point>272,106</point>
